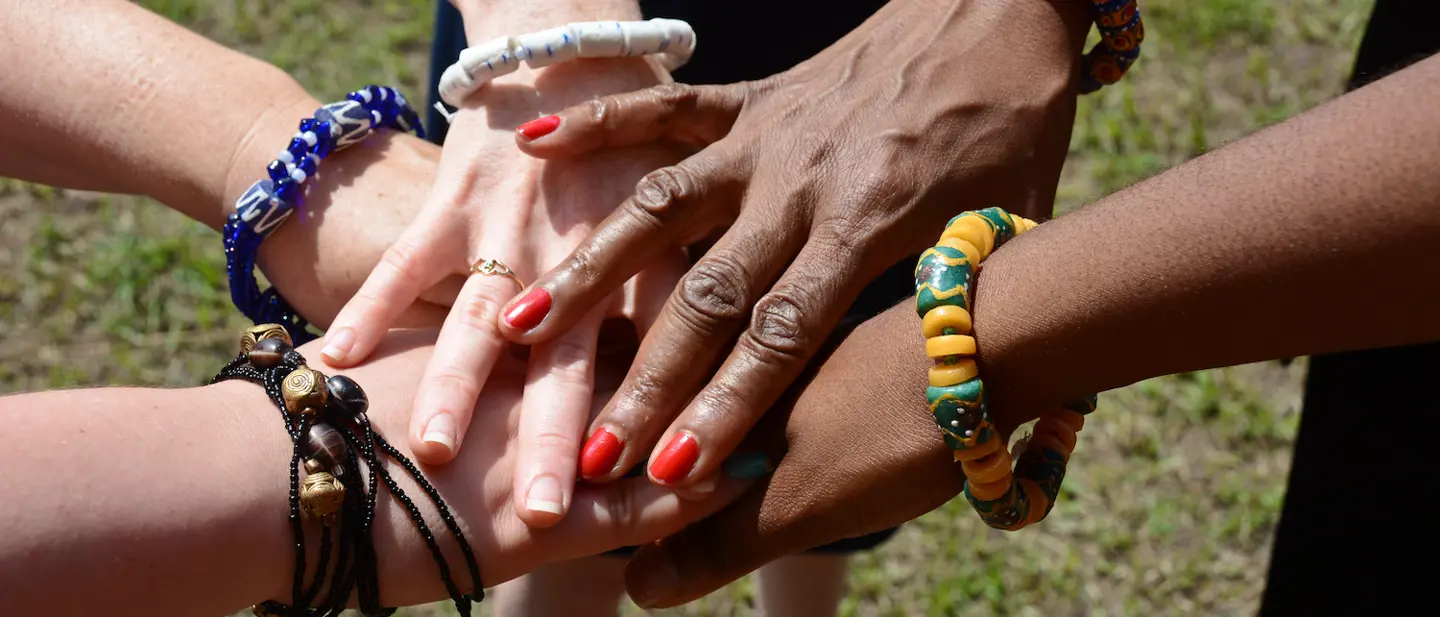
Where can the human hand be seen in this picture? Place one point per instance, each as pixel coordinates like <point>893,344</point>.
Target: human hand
<point>488,202</point>
<point>824,176</point>
<point>476,485</point>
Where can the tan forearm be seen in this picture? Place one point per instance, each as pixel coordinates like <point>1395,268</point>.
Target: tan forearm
<point>108,96</point>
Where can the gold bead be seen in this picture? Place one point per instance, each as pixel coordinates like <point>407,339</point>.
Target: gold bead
<point>321,494</point>
<point>255,334</point>
<point>304,391</point>
<point>313,466</point>
<point>261,610</point>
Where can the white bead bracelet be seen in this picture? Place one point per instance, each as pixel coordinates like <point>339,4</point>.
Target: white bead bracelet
<point>670,39</point>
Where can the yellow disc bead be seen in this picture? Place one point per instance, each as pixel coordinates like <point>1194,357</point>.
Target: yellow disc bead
<point>979,451</point>
<point>974,229</point>
<point>1050,441</point>
<point>992,490</point>
<point>942,317</point>
<point>1072,420</point>
<point>968,249</point>
<point>1023,224</point>
<point>950,345</point>
<point>1062,437</point>
<point>1038,502</point>
<point>942,375</point>
<point>988,469</point>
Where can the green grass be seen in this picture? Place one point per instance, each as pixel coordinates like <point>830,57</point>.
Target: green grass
<point>1172,503</point>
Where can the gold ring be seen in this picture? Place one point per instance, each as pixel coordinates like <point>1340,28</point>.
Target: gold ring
<point>495,267</point>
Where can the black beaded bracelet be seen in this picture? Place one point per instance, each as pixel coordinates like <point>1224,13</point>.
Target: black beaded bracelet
<point>332,438</point>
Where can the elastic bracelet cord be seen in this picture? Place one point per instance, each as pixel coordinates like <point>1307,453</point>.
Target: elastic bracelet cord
<point>269,202</point>
<point>671,40</point>
<point>1004,499</point>
<point>1121,32</point>
<point>333,441</point>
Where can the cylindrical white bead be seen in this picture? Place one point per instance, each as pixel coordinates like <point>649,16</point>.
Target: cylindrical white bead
<point>547,47</point>
<point>455,85</point>
<point>600,39</point>
<point>643,38</point>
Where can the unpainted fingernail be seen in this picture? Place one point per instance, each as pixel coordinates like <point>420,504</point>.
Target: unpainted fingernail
<point>440,431</point>
<point>655,580</point>
<point>746,465</point>
<point>338,344</point>
<point>703,487</point>
<point>545,496</point>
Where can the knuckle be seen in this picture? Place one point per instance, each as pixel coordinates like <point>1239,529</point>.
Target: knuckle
<point>454,386</point>
<point>674,96</point>
<point>777,327</point>
<point>714,293</point>
<point>663,193</point>
<point>843,235</point>
<point>553,441</point>
<point>570,362</point>
<point>619,506</point>
<point>403,258</point>
<point>645,389</point>
<point>583,268</point>
<point>479,313</point>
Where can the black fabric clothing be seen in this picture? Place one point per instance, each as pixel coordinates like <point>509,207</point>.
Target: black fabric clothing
<point>1358,528</point>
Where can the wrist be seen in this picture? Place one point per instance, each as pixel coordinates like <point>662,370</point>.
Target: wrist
<point>489,19</point>
<point>271,127</point>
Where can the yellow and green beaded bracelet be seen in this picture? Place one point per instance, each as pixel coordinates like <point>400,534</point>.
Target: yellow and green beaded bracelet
<point>1005,499</point>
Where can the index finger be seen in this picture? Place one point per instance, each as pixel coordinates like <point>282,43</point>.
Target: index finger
<point>670,206</point>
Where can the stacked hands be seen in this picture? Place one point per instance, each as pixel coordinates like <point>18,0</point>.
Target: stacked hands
<point>687,257</point>
<point>799,211</point>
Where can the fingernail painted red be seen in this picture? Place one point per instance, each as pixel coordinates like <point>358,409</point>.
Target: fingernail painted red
<point>529,311</point>
<point>535,129</point>
<point>677,459</point>
<point>600,454</point>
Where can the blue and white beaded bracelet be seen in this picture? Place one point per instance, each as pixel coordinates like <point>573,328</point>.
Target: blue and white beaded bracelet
<point>269,202</point>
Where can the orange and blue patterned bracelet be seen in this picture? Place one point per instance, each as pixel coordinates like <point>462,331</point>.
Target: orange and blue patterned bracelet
<point>1005,498</point>
<point>1121,32</point>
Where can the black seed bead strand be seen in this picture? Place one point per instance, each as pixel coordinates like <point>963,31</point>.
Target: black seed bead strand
<point>462,601</point>
<point>367,576</point>
<point>297,525</point>
<point>478,595</point>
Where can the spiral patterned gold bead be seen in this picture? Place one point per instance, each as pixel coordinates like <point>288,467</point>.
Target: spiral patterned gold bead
<point>321,494</point>
<point>255,334</point>
<point>304,391</point>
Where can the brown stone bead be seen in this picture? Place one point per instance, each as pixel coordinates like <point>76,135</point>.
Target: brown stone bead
<point>325,445</point>
<point>313,466</point>
<point>304,391</point>
<point>268,352</point>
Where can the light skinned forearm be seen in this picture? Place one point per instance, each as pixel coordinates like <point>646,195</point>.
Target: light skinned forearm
<point>156,502</point>
<point>108,96</point>
<point>1316,235</point>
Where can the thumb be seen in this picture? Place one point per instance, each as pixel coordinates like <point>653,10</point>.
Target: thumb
<point>693,115</point>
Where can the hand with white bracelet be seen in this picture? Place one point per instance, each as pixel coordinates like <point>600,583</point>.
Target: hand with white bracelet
<point>490,202</point>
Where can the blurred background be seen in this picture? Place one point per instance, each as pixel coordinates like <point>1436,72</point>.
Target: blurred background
<point>1169,509</point>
